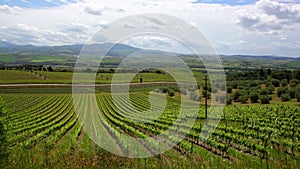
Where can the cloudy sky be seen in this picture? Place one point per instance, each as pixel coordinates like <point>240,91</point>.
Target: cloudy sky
<point>256,27</point>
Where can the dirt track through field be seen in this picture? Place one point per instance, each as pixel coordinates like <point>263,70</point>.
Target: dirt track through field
<point>81,85</point>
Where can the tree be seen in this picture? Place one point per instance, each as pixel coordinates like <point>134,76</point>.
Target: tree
<point>298,96</point>
<point>222,98</point>
<point>262,74</point>
<point>228,100</point>
<point>276,82</point>
<point>214,90</point>
<point>264,92</point>
<point>195,96</point>
<point>284,82</point>
<point>171,92</point>
<point>183,91</point>
<point>264,99</point>
<point>243,99</point>
<point>270,88</point>
<point>238,93</point>
<point>234,85</point>
<point>50,69</point>
<point>285,97</point>
<point>281,91</point>
<point>254,97</point>
<point>164,89</point>
<point>294,82</point>
<point>292,93</point>
<point>229,89</point>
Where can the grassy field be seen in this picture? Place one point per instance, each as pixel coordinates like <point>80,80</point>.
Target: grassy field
<point>25,77</point>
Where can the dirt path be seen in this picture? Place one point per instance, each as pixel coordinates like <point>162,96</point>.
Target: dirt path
<point>81,85</point>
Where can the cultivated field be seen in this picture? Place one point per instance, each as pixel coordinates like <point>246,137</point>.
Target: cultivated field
<point>43,132</point>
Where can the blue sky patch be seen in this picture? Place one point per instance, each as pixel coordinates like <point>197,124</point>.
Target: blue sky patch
<point>228,2</point>
<point>33,3</point>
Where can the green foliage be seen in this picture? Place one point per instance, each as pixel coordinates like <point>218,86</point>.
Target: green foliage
<point>275,82</point>
<point>285,97</point>
<point>171,92</point>
<point>237,95</point>
<point>184,92</point>
<point>247,127</point>
<point>194,95</point>
<point>292,93</point>
<point>294,82</point>
<point>221,98</point>
<point>208,94</point>
<point>228,100</point>
<point>298,96</point>
<point>214,90</point>
<point>270,88</point>
<point>254,97</point>
<point>263,92</point>
<point>264,99</point>
<point>229,89</point>
<point>243,98</point>
<point>282,90</point>
<point>3,141</point>
<point>164,89</point>
<point>284,82</point>
<point>234,85</point>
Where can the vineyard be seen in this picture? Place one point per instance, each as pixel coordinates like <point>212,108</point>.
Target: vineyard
<point>43,131</point>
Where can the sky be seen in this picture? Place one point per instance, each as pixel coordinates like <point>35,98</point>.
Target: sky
<point>252,27</point>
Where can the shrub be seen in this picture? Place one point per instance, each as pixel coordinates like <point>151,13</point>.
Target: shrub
<point>285,97</point>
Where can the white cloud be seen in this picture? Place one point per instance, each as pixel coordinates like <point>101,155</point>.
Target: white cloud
<point>22,34</point>
<point>25,1</point>
<point>269,17</point>
<point>280,10</point>
<point>93,11</point>
<point>227,27</point>
<point>10,10</point>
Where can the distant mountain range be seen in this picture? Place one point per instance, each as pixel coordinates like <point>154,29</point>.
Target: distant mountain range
<point>28,54</point>
<point>64,50</point>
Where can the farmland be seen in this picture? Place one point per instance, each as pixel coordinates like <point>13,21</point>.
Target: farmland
<point>42,128</point>
<point>41,77</point>
<point>43,131</point>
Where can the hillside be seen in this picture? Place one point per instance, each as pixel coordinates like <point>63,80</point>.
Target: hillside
<point>66,55</point>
